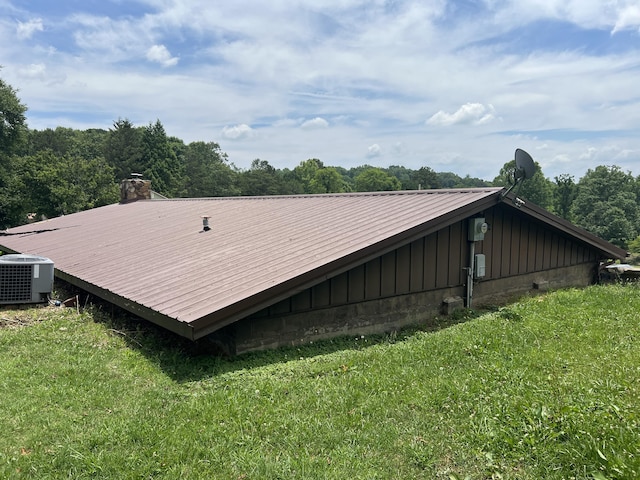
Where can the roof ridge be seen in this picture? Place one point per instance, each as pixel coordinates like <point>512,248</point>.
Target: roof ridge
<point>343,194</point>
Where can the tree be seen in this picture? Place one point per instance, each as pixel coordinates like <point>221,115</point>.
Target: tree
<point>564,195</point>
<point>59,141</point>
<point>123,149</point>
<point>423,179</point>
<point>607,204</point>
<point>207,172</point>
<point>13,132</point>
<point>160,164</point>
<point>327,180</point>
<point>12,205</point>
<point>13,122</point>
<point>449,179</point>
<point>314,177</point>
<point>537,189</point>
<point>305,172</point>
<point>404,175</point>
<point>261,179</point>
<point>54,186</point>
<point>375,180</point>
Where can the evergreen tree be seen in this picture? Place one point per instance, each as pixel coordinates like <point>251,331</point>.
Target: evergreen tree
<point>160,164</point>
<point>123,149</point>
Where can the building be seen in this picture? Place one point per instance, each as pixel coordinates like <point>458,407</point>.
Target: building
<point>260,272</point>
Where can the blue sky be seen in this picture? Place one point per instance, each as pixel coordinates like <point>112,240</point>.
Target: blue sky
<point>453,85</point>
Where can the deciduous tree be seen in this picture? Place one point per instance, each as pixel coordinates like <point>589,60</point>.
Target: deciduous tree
<point>208,173</point>
<point>375,180</point>
<point>607,204</point>
<point>536,189</point>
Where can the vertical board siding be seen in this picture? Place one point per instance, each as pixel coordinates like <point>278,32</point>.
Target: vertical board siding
<point>403,270</point>
<point>514,245</point>
<point>372,279</point>
<point>388,274</point>
<point>430,267</point>
<point>516,250</point>
<point>458,254</point>
<point>442,258</point>
<point>321,295</point>
<point>356,284</point>
<point>340,289</point>
<point>301,301</point>
<point>417,265</point>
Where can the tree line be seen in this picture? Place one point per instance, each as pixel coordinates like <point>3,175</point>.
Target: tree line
<point>52,172</point>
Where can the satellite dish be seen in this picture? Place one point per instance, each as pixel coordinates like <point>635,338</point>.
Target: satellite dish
<point>525,168</point>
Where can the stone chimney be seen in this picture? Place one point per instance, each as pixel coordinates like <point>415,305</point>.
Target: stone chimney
<point>135,188</point>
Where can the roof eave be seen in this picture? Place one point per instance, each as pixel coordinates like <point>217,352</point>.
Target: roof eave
<point>181,328</point>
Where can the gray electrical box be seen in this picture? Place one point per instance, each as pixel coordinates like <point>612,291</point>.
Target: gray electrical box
<point>480,266</point>
<point>477,228</point>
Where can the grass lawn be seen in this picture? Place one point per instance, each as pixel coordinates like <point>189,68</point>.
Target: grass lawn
<point>546,388</point>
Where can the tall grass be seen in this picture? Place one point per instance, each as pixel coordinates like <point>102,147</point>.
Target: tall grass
<point>548,387</point>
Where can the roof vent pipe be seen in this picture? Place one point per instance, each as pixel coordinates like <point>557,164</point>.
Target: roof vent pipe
<point>205,223</point>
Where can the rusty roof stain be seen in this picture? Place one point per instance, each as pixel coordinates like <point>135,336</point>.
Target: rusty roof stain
<point>153,258</point>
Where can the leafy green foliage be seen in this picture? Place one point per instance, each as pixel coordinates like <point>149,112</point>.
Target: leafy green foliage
<point>13,122</point>
<point>123,149</point>
<point>607,204</point>
<point>262,179</point>
<point>54,186</point>
<point>548,387</point>
<point>208,172</point>
<point>314,177</point>
<point>537,189</point>
<point>605,201</point>
<point>564,195</point>
<point>376,180</point>
<point>160,164</point>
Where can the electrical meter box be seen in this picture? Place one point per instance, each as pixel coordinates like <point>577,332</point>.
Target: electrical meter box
<point>480,266</point>
<point>477,228</point>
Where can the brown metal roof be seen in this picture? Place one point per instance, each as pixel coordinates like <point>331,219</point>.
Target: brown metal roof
<point>153,258</point>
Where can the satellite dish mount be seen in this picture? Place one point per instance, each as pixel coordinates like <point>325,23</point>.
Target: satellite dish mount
<point>525,168</point>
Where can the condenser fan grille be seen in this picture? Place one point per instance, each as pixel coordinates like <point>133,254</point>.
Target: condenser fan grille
<point>15,283</point>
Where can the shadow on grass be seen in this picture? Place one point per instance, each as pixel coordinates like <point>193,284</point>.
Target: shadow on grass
<point>184,360</point>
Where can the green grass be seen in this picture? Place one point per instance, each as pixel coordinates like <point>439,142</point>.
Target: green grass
<point>546,388</point>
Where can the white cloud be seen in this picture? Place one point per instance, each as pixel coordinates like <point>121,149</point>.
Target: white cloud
<point>315,124</point>
<point>237,132</point>
<point>337,76</point>
<point>160,54</point>
<point>628,17</point>
<point>469,113</point>
<point>26,30</point>
<point>374,151</point>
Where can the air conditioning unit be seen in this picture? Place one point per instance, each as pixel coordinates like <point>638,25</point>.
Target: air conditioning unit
<point>25,279</point>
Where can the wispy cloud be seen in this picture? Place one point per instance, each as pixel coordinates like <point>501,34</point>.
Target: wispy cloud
<point>27,29</point>
<point>412,83</point>
<point>628,17</point>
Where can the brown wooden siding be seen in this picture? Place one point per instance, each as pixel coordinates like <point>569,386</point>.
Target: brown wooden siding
<point>514,245</point>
